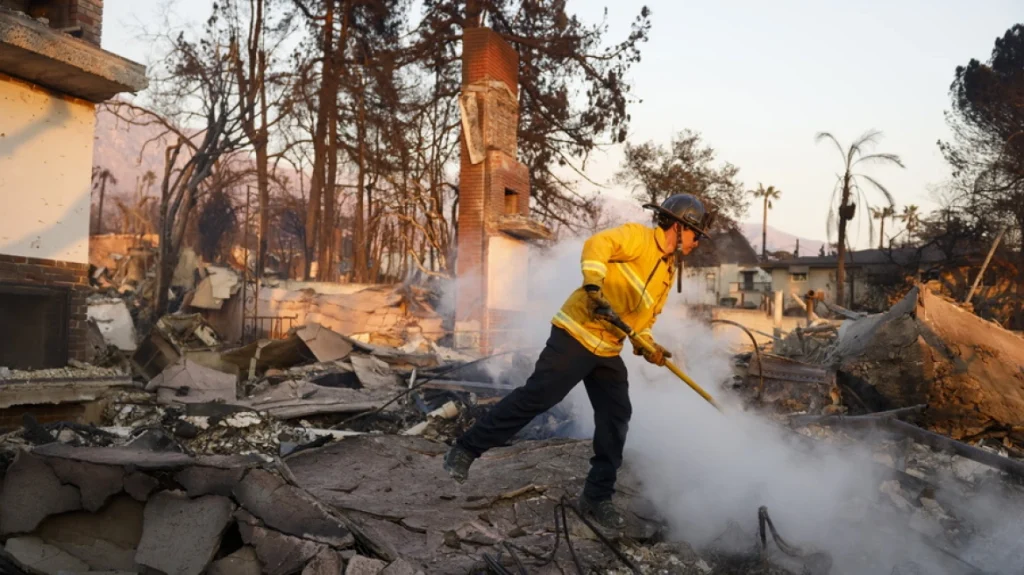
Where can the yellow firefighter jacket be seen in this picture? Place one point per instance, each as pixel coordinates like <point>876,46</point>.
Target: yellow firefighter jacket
<point>635,275</point>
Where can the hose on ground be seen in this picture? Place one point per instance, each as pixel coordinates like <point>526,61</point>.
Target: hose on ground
<point>757,352</point>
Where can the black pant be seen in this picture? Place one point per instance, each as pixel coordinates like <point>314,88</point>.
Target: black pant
<point>562,364</point>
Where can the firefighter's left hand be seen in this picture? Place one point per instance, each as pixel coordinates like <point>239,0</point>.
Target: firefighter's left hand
<point>659,355</point>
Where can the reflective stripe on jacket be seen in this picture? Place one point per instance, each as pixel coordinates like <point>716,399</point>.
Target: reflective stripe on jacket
<point>634,274</point>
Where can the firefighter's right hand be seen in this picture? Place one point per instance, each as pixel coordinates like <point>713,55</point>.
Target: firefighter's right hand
<point>596,301</point>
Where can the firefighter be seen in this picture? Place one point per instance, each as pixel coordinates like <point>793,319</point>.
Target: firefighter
<point>629,270</point>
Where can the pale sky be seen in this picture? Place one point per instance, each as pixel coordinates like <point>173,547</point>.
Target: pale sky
<point>759,79</point>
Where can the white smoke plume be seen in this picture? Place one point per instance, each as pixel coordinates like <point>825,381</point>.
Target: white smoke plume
<point>703,470</point>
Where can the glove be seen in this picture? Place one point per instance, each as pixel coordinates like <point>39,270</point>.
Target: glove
<point>596,300</point>
<point>658,357</point>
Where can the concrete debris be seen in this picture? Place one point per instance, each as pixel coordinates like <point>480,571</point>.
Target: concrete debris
<point>188,382</point>
<point>278,553</point>
<point>321,452</point>
<point>360,565</point>
<point>31,493</point>
<point>105,540</point>
<point>373,372</point>
<point>260,494</point>
<point>180,535</point>
<point>96,483</point>
<point>35,555</point>
<point>327,562</point>
<point>400,567</point>
<point>324,344</point>
<point>241,562</point>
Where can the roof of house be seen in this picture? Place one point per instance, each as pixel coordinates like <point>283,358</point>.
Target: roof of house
<point>724,247</point>
<point>899,256</point>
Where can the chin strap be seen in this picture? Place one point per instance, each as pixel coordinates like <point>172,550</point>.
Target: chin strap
<point>679,260</point>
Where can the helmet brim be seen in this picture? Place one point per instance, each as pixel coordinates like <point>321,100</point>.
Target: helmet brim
<point>698,228</point>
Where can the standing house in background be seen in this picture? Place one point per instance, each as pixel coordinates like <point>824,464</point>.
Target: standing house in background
<point>52,75</point>
<point>726,270</point>
<point>494,226</point>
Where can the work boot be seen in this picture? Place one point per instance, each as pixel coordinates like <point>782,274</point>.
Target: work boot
<point>604,512</point>
<point>457,462</point>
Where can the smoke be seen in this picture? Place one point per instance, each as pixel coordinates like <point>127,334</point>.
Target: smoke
<point>705,471</point>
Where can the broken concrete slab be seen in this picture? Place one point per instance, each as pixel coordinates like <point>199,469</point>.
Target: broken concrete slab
<point>327,562</point>
<point>105,540</point>
<point>139,485</point>
<point>241,562</point>
<point>143,459</point>
<point>278,553</point>
<point>360,565</point>
<point>97,483</point>
<point>180,535</point>
<point>189,382</point>
<point>34,554</point>
<point>199,481</point>
<point>359,477</point>
<point>295,399</point>
<point>926,349</point>
<point>261,492</point>
<point>323,343</point>
<point>374,373</point>
<point>32,492</point>
<point>400,567</point>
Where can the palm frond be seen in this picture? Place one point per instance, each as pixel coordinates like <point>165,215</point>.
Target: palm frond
<point>859,145</point>
<point>827,136</point>
<point>869,137</point>
<point>879,187</point>
<point>881,159</point>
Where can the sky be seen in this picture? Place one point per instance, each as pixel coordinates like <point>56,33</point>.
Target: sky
<point>758,80</point>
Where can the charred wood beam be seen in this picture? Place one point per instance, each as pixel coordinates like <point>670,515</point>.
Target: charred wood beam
<point>889,420</point>
<point>868,419</point>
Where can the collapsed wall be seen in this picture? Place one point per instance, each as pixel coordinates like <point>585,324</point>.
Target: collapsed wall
<point>928,350</point>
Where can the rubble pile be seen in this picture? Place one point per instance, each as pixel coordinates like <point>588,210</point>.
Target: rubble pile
<point>86,509</point>
<point>320,451</point>
<point>928,350</point>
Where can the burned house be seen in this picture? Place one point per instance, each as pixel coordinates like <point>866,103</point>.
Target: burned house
<point>52,75</point>
<point>494,225</point>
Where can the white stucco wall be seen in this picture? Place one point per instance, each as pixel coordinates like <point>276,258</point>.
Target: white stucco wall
<point>508,267</point>
<point>45,170</point>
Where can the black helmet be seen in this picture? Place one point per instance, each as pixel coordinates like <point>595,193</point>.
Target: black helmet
<point>687,210</point>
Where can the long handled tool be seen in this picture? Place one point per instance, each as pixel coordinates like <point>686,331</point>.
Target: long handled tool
<point>613,318</point>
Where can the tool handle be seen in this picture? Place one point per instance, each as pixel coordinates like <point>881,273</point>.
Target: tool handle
<point>614,319</point>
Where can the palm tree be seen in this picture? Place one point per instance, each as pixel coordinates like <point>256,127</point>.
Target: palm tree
<point>100,177</point>
<point>769,194</point>
<point>911,218</point>
<point>848,184</point>
<point>882,214</point>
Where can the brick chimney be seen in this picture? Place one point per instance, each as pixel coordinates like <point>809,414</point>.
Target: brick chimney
<point>88,15</point>
<point>494,192</point>
<point>81,18</point>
